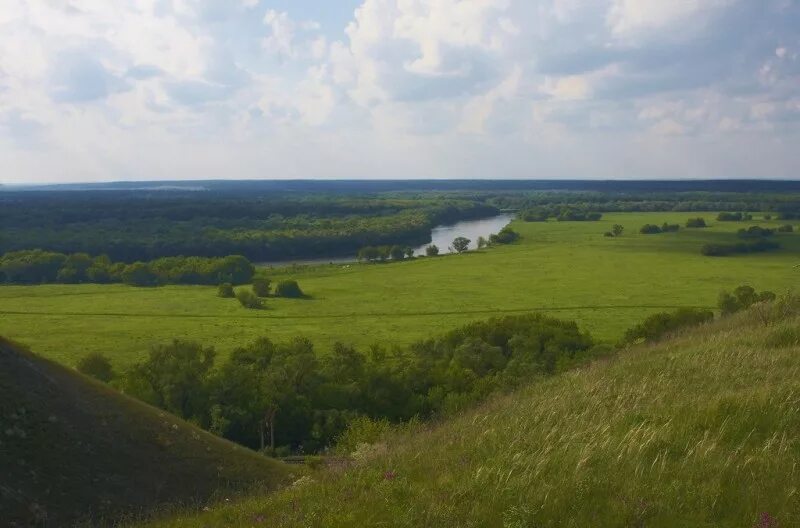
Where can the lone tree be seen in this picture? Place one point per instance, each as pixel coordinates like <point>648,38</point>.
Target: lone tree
<point>261,287</point>
<point>461,244</point>
<point>617,230</point>
<point>482,243</point>
<point>226,291</point>
<point>288,288</point>
<point>409,252</point>
<point>249,300</point>
<point>432,250</point>
<point>97,366</point>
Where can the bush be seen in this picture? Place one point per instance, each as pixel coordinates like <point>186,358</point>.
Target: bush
<point>226,291</point>
<point>658,325</point>
<point>788,228</point>
<point>670,228</point>
<point>432,250</point>
<point>608,234</point>
<point>650,229</point>
<point>261,287</point>
<point>696,222</point>
<point>97,366</point>
<point>249,300</point>
<point>288,288</point>
<point>505,236</point>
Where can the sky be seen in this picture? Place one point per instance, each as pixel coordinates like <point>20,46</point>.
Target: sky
<point>110,90</point>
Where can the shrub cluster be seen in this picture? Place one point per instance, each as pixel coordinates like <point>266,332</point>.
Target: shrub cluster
<point>755,232</point>
<point>788,228</point>
<point>742,298</point>
<point>39,267</point>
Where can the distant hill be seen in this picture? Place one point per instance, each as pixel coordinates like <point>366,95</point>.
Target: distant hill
<point>702,430</point>
<point>72,449</point>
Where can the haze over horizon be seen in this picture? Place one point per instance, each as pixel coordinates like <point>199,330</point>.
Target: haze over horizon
<point>435,89</point>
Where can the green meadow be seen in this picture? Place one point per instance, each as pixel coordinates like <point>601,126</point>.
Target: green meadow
<point>566,269</point>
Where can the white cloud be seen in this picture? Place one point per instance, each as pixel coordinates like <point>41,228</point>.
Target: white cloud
<point>471,87</point>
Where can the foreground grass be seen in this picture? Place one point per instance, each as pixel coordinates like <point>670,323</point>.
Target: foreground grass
<point>566,269</point>
<point>700,431</point>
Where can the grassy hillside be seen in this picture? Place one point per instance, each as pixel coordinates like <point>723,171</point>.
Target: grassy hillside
<point>700,431</point>
<point>73,449</point>
<point>566,269</point>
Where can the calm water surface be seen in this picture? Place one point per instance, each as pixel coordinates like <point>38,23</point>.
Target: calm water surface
<point>442,236</point>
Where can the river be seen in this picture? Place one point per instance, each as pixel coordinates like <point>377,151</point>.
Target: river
<point>442,236</point>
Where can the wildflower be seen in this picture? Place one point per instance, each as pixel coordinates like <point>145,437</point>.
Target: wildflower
<point>389,475</point>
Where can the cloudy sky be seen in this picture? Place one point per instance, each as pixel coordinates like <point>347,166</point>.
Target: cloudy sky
<point>97,90</point>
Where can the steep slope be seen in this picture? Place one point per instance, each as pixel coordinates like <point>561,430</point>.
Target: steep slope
<point>74,450</point>
<point>702,430</point>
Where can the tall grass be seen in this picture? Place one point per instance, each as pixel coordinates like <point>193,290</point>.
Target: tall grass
<point>698,431</point>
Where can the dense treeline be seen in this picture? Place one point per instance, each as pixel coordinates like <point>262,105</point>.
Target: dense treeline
<point>40,267</point>
<point>131,226</point>
<point>785,205</point>
<point>562,213</point>
<point>287,396</point>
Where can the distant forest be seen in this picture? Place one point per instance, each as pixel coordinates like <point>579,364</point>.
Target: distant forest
<point>279,220</point>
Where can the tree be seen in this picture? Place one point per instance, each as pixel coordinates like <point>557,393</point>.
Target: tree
<point>409,251</point>
<point>397,253</point>
<point>249,300</point>
<point>432,250</point>
<point>650,229</point>
<point>261,286</point>
<point>174,377</point>
<point>482,242</point>
<point>461,244</point>
<point>225,291</point>
<point>617,230</point>
<point>696,222</point>
<point>288,288</point>
<point>97,366</point>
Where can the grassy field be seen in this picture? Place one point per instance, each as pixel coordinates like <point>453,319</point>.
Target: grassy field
<point>567,269</point>
<point>700,431</point>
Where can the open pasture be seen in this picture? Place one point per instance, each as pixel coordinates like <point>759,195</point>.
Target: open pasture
<point>566,269</point>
